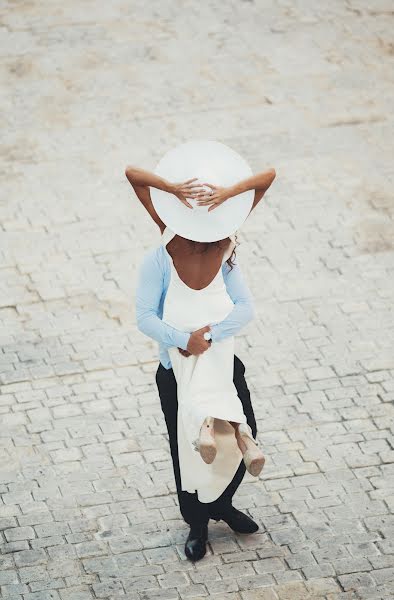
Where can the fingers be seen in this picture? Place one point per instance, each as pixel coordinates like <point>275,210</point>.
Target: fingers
<point>188,184</point>
<point>197,190</point>
<point>204,196</point>
<point>191,188</point>
<point>206,202</point>
<point>193,195</point>
<point>191,191</point>
<point>204,348</point>
<point>188,194</point>
<point>206,199</point>
<point>182,198</point>
<point>184,352</point>
<point>186,203</point>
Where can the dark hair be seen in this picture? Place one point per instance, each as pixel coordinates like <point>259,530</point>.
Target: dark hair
<point>219,243</point>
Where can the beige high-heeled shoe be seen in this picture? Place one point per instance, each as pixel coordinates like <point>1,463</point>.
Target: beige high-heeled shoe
<point>206,443</point>
<point>253,457</point>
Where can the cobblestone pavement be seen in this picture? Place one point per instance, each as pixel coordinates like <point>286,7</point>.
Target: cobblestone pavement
<point>88,504</point>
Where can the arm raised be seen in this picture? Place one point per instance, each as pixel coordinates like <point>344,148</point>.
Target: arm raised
<point>141,180</point>
<point>260,183</point>
<point>264,180</point>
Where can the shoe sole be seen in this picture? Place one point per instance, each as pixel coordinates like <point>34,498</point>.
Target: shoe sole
<point>208,452</point>
<point>253,457</point>
<point>254,462</point>
<point>207,445</point>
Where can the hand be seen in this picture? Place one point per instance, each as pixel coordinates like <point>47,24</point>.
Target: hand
<point>184,352</point>
<point>213,198</point>
<point>186,190</point>
<point>197,343</point>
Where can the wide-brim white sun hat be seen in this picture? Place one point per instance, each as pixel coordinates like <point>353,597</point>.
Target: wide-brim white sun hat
<point>211,162</point>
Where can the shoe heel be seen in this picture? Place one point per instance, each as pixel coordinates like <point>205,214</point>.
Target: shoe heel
<point>253,457</point>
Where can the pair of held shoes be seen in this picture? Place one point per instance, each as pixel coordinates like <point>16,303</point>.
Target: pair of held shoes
<point>252,455</point>
<point>195,546</point>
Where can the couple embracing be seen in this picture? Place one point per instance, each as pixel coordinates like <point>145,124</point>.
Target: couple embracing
<point>192,298</point>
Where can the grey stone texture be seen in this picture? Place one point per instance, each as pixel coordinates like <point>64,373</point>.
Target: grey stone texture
<point>88,505</point>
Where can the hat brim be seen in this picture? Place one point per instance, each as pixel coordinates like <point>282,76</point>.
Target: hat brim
<point>211,162</point>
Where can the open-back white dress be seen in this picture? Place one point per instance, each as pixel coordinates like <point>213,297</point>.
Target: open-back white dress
<point>205,384</point>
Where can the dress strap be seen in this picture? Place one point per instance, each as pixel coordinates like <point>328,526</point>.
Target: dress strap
<point>167,236</point>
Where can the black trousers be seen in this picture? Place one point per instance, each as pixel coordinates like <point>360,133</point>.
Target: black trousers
<point>193,511</point>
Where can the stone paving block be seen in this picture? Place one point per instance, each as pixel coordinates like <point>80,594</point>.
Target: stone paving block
<point>172,580</point>
<point>44,595</point>
<point>268,565</point>
<point>8,576</point>
<point>29,574</point>
<point>292,591</point>
<point>260,594</point>
<point>45,584</point>
<point>383,575</point>
<point>323,585</point>
<point>300,560</point>
<point>222,589</point>
<point>14,547</point>
<point>30,557</point>
<point>250,582</point>
<point>94,548</point>
<point>356,581</point>
<point>351,565</point>
<point>14,591</point>
<point>6,522</point>
<point>321,570</point>
<point>76,593</point>
<point>287,535</point>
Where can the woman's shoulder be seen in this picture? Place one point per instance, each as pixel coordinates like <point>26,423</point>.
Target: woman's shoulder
<point>155,258</point>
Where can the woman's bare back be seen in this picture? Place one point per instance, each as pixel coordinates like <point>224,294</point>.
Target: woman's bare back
<point>196,263</point>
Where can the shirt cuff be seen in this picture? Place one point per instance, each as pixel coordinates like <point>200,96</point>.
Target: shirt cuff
<point>213,332</point>
<point>182,339</point>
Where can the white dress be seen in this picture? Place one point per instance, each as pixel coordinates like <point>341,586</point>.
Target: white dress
<point>205,384</point>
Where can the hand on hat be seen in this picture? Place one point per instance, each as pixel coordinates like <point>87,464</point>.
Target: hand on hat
<point>213,198</point>
<point>185,190</point>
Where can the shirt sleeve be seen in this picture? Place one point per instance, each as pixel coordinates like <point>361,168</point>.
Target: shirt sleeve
<point>150,287</point>
<point>243,310</point>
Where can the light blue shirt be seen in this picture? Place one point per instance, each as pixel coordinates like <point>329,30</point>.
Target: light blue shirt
<point>153,281</point>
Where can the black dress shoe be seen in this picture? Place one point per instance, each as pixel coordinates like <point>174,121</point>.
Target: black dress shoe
<point>237,520</point>
<point>195,546</point>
